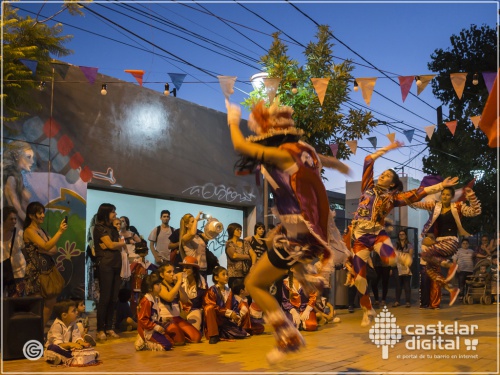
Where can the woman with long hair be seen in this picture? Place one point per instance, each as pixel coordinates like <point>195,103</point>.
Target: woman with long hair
<point>240,256</point>
<point>257,241</point>
<point>107,245</point>
<point>194,286</point>
<point>40,249</point>
<point>193,241</point>
<point>403,281</point>
<point>12,245</point>
<point>18,158</point>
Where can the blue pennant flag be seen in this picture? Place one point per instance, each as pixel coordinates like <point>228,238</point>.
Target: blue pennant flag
<point>373,141</point>
<point>30,64</point>
<point>409,134</point>
<point>177,79</point>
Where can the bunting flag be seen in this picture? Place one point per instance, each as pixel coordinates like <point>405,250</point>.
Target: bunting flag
<point>271,85</point>
<point>452,125</point>
<point>429,130</point>
<point>367,85</point>
<point>409,134</point>
<point>373,141</point>
<point>458,82</point>
<point>227,85</point>
<point>177,79</point>
<point>90,73</point>
<point>475,120</point>
<point>61,69</point>
<point>138,74</point>
<point>335,148</point>
<point>391,136</point>
<point>460,193</point>
<point>30,64</point>
<point>320,85</point>
<point>405,83</point>
<point>489,78</point>
<point>425,79</point>
<point>353,145</point>
<point>490,121</point>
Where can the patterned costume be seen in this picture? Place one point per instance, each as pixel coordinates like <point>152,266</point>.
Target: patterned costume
<point>148,325</point>
<point>139,270</point>
<point>193,306</point>
<point>300,301</point>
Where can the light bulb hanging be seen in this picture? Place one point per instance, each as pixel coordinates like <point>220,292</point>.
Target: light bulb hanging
<point>418,80</point>
<point>356,87</point>
<point>294,88</point>
<point>475,79</point>
<point>104,89</point>
<point>167,90</point>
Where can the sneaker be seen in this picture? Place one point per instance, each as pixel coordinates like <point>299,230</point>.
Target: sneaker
<point>451,273</point>
<point>422,307</point>
<point>376,303</point>
<point>89,339</point>
<point>453,295</point>
<point>408,304</point>
<point>112,334</point>
<point>101,336</point>
<point>395,304</point>
<point>52,357</point>
<point>214,340</point>
<point>383,303</point>
<point>350,308</point>
<point>336,319</point>
<point>368,317</point>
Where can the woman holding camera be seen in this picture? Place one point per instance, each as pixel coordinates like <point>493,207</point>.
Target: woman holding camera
<point>193,242</point>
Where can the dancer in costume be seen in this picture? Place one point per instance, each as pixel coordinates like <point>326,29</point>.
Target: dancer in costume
<point>444,222</point>
<point>376,202</point>
<point>292,169</point>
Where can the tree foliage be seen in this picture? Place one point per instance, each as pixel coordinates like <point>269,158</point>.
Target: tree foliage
<point>28,38</point>
<point>323,124</point>
<point>466,154</point>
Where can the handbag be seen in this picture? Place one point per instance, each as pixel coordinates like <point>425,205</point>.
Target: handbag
<point>7,270</point>
<point>51,283</point>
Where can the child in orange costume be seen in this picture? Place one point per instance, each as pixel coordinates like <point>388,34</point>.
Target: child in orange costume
<point>252,326</point>
<point>299,306</point>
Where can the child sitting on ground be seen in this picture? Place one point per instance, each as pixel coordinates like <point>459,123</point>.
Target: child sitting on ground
<point>252,326</point>
<point>139,270</point>
<point>64,336</point>
<point>325,313</point>
<point>82,321</point>
<point>124,316</point>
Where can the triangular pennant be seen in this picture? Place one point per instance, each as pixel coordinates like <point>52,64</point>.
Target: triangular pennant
<point>429,130</point>
<point>353,145</point>
<point>335,148</point>
<point>489,78</point>
<point>391,136</point>
<point>61,69</point>
<point>227,84</point>
<point>490,121</point>
<point>425,79</point>
<point>90,73</point>
<point>405,82</point>
<point>320,85</point>
<point>452,125</point>
<point>458,82</point>
<point>409,134</point>
<point>367,85</point>
<point>475,120</point>
<point>271,85</point>
<point>373,141</point>
<point>460,193</point>
<point>30,64</point>
<point>177,79</point>
<point>138,74</point>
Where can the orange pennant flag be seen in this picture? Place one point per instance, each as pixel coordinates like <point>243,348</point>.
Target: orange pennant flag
<point>271,85</point>
<point>429,130</point>
<point>452,125</point>
<point>353,145</point>
<point>405,83</point>
<point>458,82</point>
<point>367,85</point>
<point>227,85</point>
<point>475,120</point>
<point>320,85</point>
<point>391,136</point>
<point>425,79</point>
<point>138,74</point>
<point>490,121</point>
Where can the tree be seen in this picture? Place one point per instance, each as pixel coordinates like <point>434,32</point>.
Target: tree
<point>466,154</point>
<point>323,124</point>
<point>33,39</point>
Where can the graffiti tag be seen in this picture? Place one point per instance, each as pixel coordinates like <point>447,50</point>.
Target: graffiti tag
<point>219,192</point>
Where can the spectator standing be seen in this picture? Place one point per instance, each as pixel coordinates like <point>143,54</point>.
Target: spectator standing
<point>403,280</point>
<point>383,272</point>
<point>485,249</point>
<point>465,261</point>
<point>193,242</point>
<point>257,241</point>
<point>12,243</point>
<point>240,256</point>
<point>130,237</point>
<point>159,238</point>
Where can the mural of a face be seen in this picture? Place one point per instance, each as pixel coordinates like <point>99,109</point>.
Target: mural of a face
<point>26,160</point>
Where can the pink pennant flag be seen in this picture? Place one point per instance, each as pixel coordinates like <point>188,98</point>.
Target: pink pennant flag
<point>367,85</point>
<point>90,73</point>
<point>405,83</point>
<point>425,79</point>
<point>335,148</point>
<point>138,74</point>
<point>320,85</point>
<point>227,85</point>
<point>429,130</point>
<point>452,125</point>
<point>353,145</point>
<point>458,82</point>
<point>489,79</point>
<point>391,136</point>
<point>475,120</point>
<point>271,85</point>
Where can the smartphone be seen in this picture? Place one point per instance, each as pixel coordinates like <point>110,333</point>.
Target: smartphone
<point>66,219</point>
